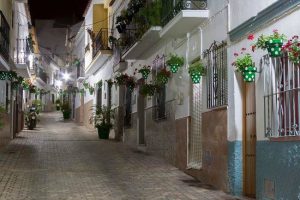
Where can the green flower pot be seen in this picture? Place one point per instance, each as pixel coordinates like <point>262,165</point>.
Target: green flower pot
<point>196,77</point>
<point>103,132</point>
<point>274,47</point>
<point>174,68</point>
<point>145,74</point>
<point>3,76</point>
<point>249,74</point>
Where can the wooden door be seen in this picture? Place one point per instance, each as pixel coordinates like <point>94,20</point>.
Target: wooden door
<point>249,141</point>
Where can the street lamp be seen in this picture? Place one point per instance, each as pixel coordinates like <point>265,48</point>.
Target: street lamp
<point>66,76</point>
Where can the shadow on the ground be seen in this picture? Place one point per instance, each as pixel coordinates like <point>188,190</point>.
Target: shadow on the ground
<point>196,183</point>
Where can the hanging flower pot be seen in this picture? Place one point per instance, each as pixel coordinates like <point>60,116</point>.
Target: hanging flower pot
<point>3,75</point>
<point>196,70</point>
<point>145,71</point>
<point>91,90</point>
<point>244,64</point>
<point>272,43</point>
<point>148,89</point>
<point>130,83</point>
<point>121,79</point>
<point>162,77</point>
<point>15,85</point>
<point>292,48</point>
<point>274,47</point>
<point>175,62</point>
<point>249,74</point>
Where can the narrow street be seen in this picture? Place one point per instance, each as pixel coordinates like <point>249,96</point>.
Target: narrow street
<point>60,160</point>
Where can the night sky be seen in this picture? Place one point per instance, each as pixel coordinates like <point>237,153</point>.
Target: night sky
<point>67,11</point>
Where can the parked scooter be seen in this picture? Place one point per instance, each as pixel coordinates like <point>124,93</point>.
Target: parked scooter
<point>31,118</point>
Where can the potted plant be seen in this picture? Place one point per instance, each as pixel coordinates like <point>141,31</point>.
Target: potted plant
<point>273,43</point>
<point>145,71</point>
<point>66,110</point>
<point>175,62</point>
<point>292,47</point>
<point>91,90</point>
<point>148,89</point>
<point>3,75</point>
<point>121,79</point>
<point>102,117</point>
<point>38,105</point>
<point>244,64</point>
<point>57,102</point>
<point>130,83</point>
<point>163,76</point>
<point>196,70</point>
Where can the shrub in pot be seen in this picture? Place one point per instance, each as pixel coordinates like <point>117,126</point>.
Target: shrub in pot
<point>66,110</point>
<point>175,62</point>
<point>162,77</point>
<point>57,103</point>
<point>102,117</point>
<point>244,64</point>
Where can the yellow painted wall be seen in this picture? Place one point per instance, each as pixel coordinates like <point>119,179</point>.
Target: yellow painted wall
<point>6,8</point>
<point>99,14</point>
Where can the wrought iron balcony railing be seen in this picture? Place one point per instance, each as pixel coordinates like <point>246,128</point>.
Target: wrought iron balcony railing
<point>4,37</point>
<point>128,40</point>
<point>171,8</point>
<point>101,42</point>
<point>42,75</point>
<point>22,51</point>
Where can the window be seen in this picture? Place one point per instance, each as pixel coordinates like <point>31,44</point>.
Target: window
<point>109,85</point>
<point>281,98</point>
<point>217,84</point>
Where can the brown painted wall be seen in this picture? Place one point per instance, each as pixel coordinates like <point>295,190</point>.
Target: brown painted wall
<point>214,137</point>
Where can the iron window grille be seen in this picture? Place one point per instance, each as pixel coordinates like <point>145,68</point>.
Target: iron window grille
<point>216,75</point>
<point>128,108</point>
<point>281,97</point>
<point>171,8</point>
<point>4,37</point>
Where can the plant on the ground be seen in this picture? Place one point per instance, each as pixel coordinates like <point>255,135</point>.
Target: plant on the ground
<point>38,105</point>
<point>175,62</point>
<point>2,111</point>
<point>148,89</point>
<point>66,110</point>
<point>162,77</point>
<point>145,71</point>
<point>196,70</point>
<point>102,118</point>
<point>292,47</point>
<point>57,102</point>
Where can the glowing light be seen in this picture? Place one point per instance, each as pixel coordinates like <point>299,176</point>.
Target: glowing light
<point>59,83</point>
<point>66,76</point>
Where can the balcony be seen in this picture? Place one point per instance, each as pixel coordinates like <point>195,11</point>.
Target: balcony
<point>22,52</point>
<point>142,32</point>
<point>4,37</point>
<point>42,77</point>
<point>100,44</point>
<point>182,16</point>
<point>101,51</point>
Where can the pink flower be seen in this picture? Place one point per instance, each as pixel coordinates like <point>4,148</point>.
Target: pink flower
<point>251,37</point>
<point>295,37</point>
<point>236,54</point>
<point>275,31</point>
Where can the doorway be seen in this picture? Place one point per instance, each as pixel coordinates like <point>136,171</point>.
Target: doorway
<point>141,118</point>
<point>249,141</point>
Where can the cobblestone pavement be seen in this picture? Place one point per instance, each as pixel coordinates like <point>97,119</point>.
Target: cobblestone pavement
<point>60,160</point>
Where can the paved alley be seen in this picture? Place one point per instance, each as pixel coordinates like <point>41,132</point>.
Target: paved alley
<point>60,160</point>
